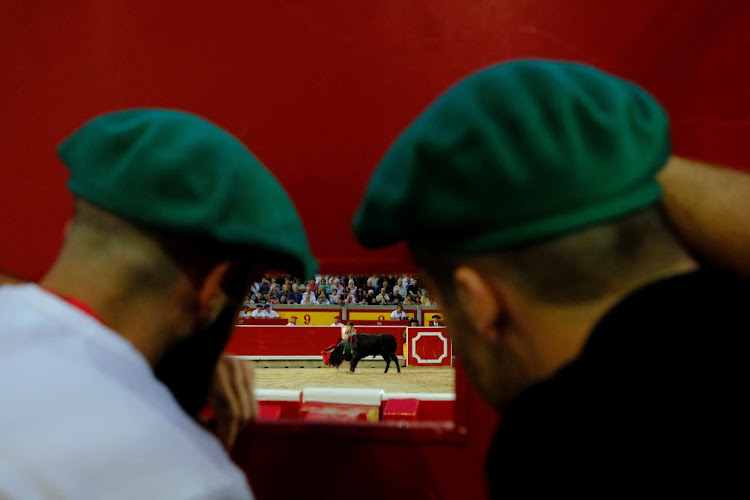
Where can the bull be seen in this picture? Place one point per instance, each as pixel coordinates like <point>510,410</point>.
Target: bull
<point>360,346</point>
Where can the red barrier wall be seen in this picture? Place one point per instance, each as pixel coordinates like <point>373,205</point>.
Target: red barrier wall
<point>428,346</point>
<point>296,340</point>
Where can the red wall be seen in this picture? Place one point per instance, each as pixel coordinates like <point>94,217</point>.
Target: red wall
<point>296,340</point>
<point>318,90</point>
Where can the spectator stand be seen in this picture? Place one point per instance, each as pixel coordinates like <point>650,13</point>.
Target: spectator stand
<point>324,315</point>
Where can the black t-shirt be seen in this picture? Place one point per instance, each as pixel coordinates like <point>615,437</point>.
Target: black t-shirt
<point>652,403</point>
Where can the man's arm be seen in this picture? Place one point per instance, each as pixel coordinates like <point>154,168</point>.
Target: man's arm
<point>710,208</point>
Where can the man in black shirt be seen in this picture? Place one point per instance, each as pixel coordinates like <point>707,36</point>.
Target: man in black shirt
<point>617,361</point>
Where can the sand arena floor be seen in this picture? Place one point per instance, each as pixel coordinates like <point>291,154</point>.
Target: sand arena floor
<point>367,375</point>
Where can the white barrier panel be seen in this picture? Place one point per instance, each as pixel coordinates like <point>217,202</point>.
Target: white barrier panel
<point>352,396</point>
<point>277,395</point>
<point>295,395</point>
<point>422,396</point>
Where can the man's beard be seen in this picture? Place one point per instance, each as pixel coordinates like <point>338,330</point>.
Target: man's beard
<point>188,367</point>
<point>497,372</point>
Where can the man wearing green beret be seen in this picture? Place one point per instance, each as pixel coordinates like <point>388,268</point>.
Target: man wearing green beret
<point>106,363</point>
<point>613,356</point>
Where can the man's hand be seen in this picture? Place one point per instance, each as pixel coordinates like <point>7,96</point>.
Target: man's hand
<point>232,398</point>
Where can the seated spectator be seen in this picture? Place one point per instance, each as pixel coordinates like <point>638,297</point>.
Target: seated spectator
<point>399,289</point>
<point>426,300</point>
<point>259,312</point>
<point>383,298</point>
<point>336,300</point>
<point>306,300</point>
<point>264,286</point>
<point>270,313</point>
<point>322,299</point>
<point>413,290</point>
<point>408,301</point>
<point>366,289</point>
<point>351,299</point>
<point>275,283</point>
<point>282,299</point>
<point>296,294</point>
<point>290,300</point>
<point>387,286</point>
<point>312,287</point>
<point>399,313</point>
<point>246,312</point>
<point>397,296</point>
<point>336,288</point>
<point>351,287</point>
<point>370,299</point>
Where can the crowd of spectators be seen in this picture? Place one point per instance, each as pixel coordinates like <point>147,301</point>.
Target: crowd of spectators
<point>340,290</point>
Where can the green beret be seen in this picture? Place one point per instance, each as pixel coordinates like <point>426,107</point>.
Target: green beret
<point>517,152</point>
<point>177,172</point>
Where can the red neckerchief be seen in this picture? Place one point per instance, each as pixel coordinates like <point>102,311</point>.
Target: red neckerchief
<point>78,304</point>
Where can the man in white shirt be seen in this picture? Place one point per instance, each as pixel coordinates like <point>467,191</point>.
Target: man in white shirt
<point>246,312</point>
<point>399,313</point>
<point>292,321</point>
<point>101,388</point>
<point>259,313</point>
<point>270,313</point>
<point>337,322</point>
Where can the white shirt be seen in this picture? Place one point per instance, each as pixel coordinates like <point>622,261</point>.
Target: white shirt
<point>259,314</point>
<point>83,416</point>
<point>272,314</point>
<point>400,315</point>
<point>339,324</point>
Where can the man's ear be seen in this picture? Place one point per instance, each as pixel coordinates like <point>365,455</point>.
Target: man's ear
<point>211,297</point>
<point>482,301</point>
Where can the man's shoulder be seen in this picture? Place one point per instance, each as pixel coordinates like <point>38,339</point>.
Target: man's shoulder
<point>126,420</point>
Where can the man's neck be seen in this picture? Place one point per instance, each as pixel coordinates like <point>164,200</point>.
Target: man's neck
<point>556,333</point>
<point>145,321</point>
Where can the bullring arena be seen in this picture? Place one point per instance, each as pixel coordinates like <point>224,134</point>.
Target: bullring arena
<point>294,380</point>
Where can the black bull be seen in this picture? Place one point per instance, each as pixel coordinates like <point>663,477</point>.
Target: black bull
<point>363,345</point>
